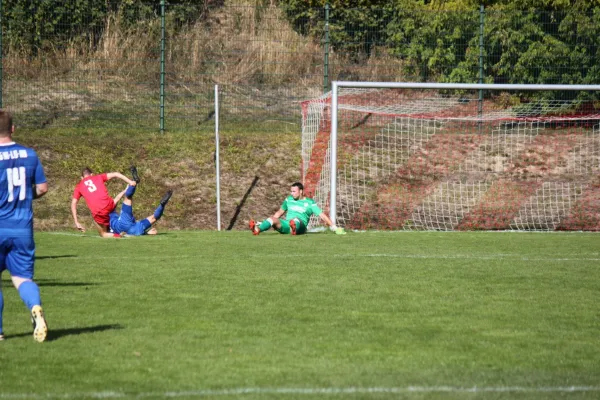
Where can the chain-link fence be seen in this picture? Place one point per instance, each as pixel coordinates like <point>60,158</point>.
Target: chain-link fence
<point>153,66</point>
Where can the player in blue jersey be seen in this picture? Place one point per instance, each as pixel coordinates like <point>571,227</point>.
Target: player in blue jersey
<point>297,209</point>
<point>22,180</point>
<point>124,223</point>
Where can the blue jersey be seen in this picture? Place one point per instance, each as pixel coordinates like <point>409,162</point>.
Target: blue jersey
<point>20,170</point>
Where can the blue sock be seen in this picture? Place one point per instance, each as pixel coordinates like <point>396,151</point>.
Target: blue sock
<point>130,191</point>
<point>1,309</point>
<point>159,211</point>
<point>30,294</point>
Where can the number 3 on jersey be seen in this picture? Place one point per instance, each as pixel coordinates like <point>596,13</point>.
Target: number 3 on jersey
<point>16,179</point>
<point>90,185</point>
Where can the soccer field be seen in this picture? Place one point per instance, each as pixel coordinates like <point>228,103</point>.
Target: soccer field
<point>415,315</point>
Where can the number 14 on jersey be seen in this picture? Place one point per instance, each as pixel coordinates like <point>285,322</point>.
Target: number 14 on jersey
<point>16,179</point>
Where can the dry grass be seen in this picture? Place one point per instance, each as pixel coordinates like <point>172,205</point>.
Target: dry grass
<point>241,44</point>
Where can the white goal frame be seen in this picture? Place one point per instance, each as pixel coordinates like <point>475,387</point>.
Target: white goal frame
<point>414,85</point>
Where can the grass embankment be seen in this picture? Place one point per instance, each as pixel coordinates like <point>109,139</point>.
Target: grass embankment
<point>181,161</point>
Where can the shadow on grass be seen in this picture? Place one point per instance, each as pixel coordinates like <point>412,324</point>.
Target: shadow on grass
<point>51,283</point>
<point>242,203</point>
<point>52,257</point>
<point>54,334</point>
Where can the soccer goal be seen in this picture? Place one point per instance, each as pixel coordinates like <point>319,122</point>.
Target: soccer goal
<point>425,156</point>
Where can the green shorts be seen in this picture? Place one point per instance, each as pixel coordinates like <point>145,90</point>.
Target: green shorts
<point>285,227</point>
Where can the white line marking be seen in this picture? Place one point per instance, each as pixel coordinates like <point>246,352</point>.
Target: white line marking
<point>512,232</point>
<point>70,234</point>
<point>463,256</point>
<point>306,391</point>
<point>154,237</point>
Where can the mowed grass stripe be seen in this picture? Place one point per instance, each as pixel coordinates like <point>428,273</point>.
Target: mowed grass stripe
<point>228,310</point>
<point>350,255</point>
<point>308,392</point>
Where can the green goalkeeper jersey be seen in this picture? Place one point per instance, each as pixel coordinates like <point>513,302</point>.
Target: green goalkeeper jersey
<point>301,209</point>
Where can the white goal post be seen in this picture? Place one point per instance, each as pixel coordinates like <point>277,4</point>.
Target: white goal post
<point>431,156</point>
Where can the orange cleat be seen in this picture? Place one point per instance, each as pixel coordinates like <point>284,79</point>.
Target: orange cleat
<point>254,227</point>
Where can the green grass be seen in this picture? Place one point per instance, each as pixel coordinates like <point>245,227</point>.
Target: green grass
<point>191,314</point>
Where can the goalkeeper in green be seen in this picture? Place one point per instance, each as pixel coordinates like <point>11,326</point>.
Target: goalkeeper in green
<point>298,210</point>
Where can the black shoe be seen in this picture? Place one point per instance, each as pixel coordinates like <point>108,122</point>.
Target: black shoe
<point>165,198</point>
<point>135,175</point>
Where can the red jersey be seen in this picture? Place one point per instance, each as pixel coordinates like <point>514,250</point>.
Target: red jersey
<point>94,191</point>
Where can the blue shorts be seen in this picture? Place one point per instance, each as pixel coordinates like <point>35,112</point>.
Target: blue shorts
<point>17,255</point>
<point>126,223</point>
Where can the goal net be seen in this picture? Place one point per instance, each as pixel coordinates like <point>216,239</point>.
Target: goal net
<point>454,157</point>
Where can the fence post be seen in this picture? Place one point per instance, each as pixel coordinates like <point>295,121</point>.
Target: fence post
<point>481,26</point>
<point>326,49</point>
<point>162,66</point>
<point>217,163</point>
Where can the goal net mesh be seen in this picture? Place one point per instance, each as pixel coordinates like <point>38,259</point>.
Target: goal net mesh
<point>410,159</point>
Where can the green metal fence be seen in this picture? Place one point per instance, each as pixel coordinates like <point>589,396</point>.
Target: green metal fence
<point>154,66</point>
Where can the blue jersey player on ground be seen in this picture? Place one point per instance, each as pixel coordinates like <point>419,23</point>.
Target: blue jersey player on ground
<point>125,224</point>
<point>22,180</point>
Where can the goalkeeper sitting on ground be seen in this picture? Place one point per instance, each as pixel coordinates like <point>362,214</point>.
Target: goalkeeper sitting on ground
<point>298,210</point>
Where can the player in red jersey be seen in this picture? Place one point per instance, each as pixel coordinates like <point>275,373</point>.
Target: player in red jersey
<point>93,189</point>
